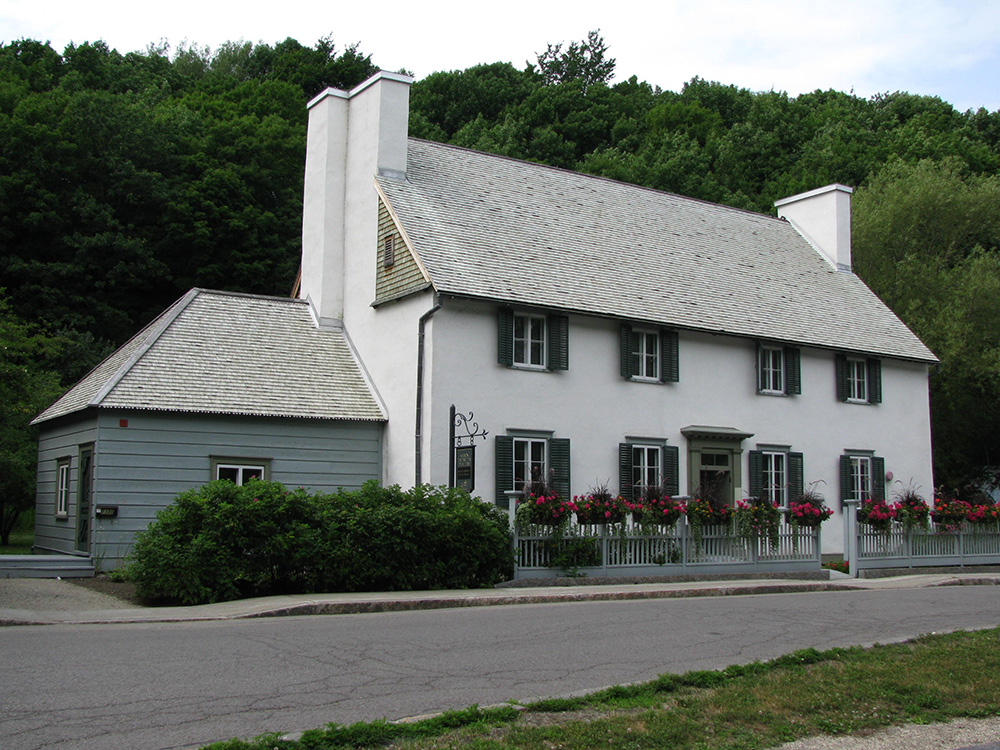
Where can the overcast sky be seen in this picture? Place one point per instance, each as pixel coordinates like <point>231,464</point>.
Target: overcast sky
<point>945,48</point>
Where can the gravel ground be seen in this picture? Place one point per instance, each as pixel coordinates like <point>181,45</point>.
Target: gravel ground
<point>68,594</point>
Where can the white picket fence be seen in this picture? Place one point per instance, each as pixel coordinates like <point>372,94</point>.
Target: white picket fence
<point>630,550</point>
<point>935,546</point>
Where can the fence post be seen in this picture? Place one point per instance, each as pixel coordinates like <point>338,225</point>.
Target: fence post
<point>851,536</point>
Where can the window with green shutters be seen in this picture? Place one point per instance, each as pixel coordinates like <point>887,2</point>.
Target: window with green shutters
<point>859,379</point>
<point>527,458</point>
<point>776,475</point>
<point>862,477</point>
<point>532,340</point>
<point>649,355</point>
<point>779,370</point>
<point>641,464</point>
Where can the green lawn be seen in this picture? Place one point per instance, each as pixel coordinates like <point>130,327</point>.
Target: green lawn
<point>842,691</point>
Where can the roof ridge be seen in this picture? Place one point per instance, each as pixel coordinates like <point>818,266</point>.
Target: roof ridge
<point>249,295</point>
<point>587,175</point>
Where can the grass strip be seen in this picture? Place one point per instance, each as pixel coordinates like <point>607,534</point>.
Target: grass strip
<point>840,691</point>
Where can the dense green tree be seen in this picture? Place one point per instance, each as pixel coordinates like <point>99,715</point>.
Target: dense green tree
<point>927,240</point>
<point>582,62</point>
<point>26,386</point>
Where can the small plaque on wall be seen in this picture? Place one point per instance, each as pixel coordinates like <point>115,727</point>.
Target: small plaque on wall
<point>106,511</point>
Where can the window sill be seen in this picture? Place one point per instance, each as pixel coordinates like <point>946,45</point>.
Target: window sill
<point>771,393</point>
<point>532,368</point>
<point>62,516</point>
<point>858,401</point>
<point>643,379</point>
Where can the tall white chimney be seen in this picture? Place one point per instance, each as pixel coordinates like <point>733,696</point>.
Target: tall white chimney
<point>352,136</point>
<point>823,217</point>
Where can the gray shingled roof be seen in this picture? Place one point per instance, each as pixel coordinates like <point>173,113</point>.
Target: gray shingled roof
<point>496,228</point>
<point>225,353</point>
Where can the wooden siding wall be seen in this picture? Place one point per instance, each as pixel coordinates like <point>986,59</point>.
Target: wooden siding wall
<point>142,467</point>
<point>405,276</point>
<point>63,440</point>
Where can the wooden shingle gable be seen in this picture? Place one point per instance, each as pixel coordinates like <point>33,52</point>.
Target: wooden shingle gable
<point>398,270</point>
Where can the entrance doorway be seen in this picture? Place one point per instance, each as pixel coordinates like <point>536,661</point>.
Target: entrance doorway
<point>715,463</point>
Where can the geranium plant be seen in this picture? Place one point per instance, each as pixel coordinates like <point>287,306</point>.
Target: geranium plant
<point>950,513</point>
<point>654,507</point>
<point>701,512</point>
<point>911,510</point>
<point>600,506</point>
<point>540,504</point>
<point>876,513</point>
<point>807,510</point>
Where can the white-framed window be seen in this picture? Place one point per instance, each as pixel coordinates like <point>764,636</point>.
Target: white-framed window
<point>62,487</point>
<point>857,380</point>
<point>771,369</point>
<point>774,477</point>
<point>530,461</point>
<point>860,487</point>
<point>238,471</point>
<point>646,468</point>
<point>645,354</point>
<point>529,340</point>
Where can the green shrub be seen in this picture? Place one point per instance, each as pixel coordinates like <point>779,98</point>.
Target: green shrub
<point>224,542</point>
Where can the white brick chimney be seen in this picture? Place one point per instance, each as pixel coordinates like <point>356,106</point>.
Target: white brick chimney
<point>823,217</point>
<point>352,136</point>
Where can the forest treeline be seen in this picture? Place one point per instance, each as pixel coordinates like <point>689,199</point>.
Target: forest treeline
<point>126,179</point>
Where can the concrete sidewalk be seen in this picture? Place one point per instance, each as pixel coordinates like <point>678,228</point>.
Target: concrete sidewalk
<point>61,607</point>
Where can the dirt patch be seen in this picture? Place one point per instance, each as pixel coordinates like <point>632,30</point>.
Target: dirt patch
<point>123,590</point>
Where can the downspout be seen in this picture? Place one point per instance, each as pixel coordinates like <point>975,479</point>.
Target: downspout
<point>418,435</point>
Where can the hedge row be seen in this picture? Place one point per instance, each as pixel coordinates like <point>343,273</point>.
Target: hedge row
<point>222,542</point>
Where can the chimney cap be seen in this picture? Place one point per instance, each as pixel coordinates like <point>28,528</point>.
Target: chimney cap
<point>340,93</point>
<point>813,194</point>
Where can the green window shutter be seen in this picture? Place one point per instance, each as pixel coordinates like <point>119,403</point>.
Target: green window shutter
<point>796,482</point>
<point>878,477</point>
<point>874,381</point>
<point>504,466</point>
<point>559,464</point>
<point>625,470</point>
<point>842,390</point>
<point>845,478</point>
<point>505,336</point>
<point>793,371</point>
<point>558,335</point>
<point>626,351</point>
<point>669,366</point>
<point>756,473</point>
<point>671,470</point>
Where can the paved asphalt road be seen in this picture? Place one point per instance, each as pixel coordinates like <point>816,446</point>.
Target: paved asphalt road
<point>173,685</point>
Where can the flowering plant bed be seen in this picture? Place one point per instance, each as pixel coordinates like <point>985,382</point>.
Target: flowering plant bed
<point>543,509</point>
<point>654,509</point>
<point>599,507</point>
<point>911,510</point>
<point>876,513</point>
<point>983,514</point>
<point>950,513</point>
<point>808,510</point>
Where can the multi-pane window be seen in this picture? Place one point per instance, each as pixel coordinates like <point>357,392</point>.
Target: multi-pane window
<point>649,355</point>
<point>529,340</point>
<point>646,354</point>
<point>239,474</point>
<point>62,488</point>
<point>857,379</point>
<point>774,482</point>
<point>646,470</point>
<point>861,478</point>
<point>529,461</point>
<point>771,369</point>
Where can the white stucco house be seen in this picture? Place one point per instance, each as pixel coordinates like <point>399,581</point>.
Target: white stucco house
<point>600,333</point>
